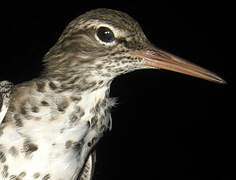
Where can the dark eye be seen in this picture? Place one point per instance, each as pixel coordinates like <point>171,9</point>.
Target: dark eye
<point>105,34</point>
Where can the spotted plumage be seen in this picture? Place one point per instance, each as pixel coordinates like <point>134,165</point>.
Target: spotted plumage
<point>28,124</point>
<point>50,125</point>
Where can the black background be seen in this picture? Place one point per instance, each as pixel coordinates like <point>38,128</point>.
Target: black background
<point>166,125</point>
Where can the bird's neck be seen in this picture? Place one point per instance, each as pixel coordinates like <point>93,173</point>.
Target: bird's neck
<point>77,102</point>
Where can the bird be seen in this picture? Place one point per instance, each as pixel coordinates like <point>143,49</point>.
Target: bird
<point>50,125</point>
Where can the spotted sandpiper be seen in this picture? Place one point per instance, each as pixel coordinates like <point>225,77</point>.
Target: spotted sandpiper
<point>50,125</point>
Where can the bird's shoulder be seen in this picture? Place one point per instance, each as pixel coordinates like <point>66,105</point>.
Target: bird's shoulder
<point>5,96</point>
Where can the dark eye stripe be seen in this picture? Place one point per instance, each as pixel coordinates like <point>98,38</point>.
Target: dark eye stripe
<point>105,34</point>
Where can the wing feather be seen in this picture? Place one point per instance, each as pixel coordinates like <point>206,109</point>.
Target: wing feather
<point>88,170</point>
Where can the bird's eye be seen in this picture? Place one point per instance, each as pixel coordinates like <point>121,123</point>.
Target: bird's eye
<point>105,34</point>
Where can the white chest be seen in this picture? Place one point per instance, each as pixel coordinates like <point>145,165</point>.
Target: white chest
<point>56,140</point>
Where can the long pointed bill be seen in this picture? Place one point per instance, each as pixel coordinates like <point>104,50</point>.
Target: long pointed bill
<point>154,57</point>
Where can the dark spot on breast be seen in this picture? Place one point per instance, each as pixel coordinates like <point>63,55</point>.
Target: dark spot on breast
<point>103,103</point>
<point>97,106</point>
<point>5,171</point>
<point>22,174</point>
<point>68,144</point>
<point>78,146</point>
<point>23,110</point>
<point>99,66</point>
<point>94,121</point>
<point>89,144</point>
<point>5,167</point>
<point>79,111</point>
<point>52,86</point>
<point>13,151</point>
<point>103,128</point>
<point>12,108</point>
<point>92,142</point>
<point>40,86</point>
<point>13,177</point>
<point>19,123</point>
<point>74,80</point>
<point>16,116</point>
<point>44,103</point>
<point>46,177</point>
<point>76,114</point>
<point>100,82</point>
<point>64,88</point>
<point>73,117</point>
<point>29,147</point>
<point>2,157</point>
<point>62,130</point>
<point>89,124</point>
<point>36,175</point>
<point>35,109</point>
<point>18,120</point>
<point>75,98</point>
<point>62,106</point>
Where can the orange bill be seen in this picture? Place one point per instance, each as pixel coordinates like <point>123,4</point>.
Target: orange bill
<point>160,59</point>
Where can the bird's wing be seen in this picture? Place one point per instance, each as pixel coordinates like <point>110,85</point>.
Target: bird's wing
<point>88,170</point>
<point>5,95</point>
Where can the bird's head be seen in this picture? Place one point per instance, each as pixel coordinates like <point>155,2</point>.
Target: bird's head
<point>106,43</point>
